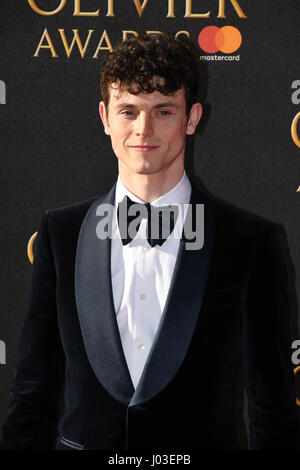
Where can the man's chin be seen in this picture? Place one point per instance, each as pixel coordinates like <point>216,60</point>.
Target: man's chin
<point>146,171</point>
<point>140,167</point>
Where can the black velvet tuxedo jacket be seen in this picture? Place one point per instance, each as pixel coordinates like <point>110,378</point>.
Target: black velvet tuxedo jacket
<point>226,311</point>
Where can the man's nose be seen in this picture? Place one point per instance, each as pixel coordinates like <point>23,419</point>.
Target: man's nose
<point>144,125</point>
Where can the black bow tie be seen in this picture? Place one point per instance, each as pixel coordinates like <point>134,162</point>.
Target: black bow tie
<point>161,220</point>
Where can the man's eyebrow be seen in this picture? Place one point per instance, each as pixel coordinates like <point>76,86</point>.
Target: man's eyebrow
<point>125,105</point>
<point>166,104</point>
<point>158,105</point>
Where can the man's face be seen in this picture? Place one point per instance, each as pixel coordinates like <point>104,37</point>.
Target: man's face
<point>148,131</point>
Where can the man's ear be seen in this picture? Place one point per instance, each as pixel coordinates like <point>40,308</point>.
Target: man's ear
<point>194,118</point>
<point>104,117</point>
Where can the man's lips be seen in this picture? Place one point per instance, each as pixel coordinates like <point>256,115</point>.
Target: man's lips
<point>143,148</point>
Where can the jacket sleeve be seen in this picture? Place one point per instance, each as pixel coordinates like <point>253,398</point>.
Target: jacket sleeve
<point>273,413</point>
<point>34,399</point>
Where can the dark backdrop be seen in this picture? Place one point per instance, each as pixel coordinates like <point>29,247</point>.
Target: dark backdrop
<point>54,152</point>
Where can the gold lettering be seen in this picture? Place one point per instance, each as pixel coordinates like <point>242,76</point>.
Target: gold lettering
<point>298,191</point>
<point>189,14</point>
<point>140,8</point>
<point>103,48</point>
<point>41,46</point>
<point>171,13</point>
<point>235,5</point>
<point>294,132</point>
<point>46,13</point>
<point>77,11</point>
<point>153,32</point>
<point>125,34</point>
<point>76,39</point>
<point>110,8</point>
<point>182,32</point>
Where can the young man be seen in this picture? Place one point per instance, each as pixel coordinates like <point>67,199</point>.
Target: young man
<point>144,336</point>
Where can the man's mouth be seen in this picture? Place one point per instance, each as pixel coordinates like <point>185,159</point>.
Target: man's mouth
<point>144,148</point>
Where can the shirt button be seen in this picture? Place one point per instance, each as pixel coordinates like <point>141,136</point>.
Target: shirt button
<point>141,346</point>
<point>147,248</point>
<point>143,296</point>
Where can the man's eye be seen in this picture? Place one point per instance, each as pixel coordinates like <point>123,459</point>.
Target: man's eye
<point>164,112</point>
<point>127,113</point>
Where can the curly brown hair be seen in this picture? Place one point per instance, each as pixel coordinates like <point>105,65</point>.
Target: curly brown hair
<point>134,63</point>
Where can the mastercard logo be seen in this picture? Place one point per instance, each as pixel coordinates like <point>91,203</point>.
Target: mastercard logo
<point>214,39</point>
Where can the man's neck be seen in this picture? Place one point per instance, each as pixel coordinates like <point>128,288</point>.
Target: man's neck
<point>149,187</point>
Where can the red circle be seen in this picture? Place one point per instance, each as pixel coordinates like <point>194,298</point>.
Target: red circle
<point>206,39</point>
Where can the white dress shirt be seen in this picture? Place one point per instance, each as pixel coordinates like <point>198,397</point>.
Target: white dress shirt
<point>141,277</point>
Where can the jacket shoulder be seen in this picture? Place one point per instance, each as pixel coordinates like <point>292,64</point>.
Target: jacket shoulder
<point>239,217</point>
<point>228,216</point>
<point>238,227</point>
<point>66,220</point>
<point>73,210</point>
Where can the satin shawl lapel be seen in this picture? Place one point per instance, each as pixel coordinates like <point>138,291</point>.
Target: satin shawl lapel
<point>97,316</point>
<point>95,305</point>
<point>181,311</point>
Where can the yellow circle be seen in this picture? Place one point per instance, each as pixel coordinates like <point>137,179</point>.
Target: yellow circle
<point>30,247</point>
<point>294,132</point>
<point>296,370</point>
<point>228,39</point>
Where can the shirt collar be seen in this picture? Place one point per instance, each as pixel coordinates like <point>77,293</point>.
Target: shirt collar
<point>178,194</point>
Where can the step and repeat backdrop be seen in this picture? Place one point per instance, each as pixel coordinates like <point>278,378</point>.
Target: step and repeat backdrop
<point>54,151</point>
